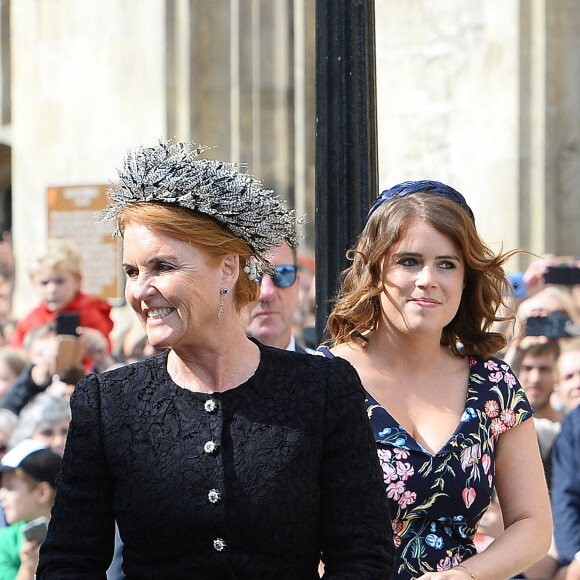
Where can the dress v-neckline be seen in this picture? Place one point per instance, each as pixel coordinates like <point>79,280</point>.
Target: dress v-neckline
<point>374,404</point>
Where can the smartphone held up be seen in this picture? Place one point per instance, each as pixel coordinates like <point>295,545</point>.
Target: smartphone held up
<point>67,323</point>
<point>564,275</point>
<point>553,326</point>
<point>35,530</point>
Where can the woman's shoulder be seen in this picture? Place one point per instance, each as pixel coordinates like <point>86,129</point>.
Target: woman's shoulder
<point>495,387</point>
<point>489,365</point>
<point>291,358</point>
<point>294,364</point>
<point>137,374</point>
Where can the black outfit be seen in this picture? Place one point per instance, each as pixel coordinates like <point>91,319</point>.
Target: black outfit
<point>254,482</point>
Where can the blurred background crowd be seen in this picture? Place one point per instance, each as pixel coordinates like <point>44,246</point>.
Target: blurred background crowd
<point>67,333</point>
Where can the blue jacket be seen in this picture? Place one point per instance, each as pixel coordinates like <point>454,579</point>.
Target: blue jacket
<point>566,487</point>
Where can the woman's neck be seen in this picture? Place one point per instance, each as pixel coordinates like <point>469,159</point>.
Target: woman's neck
<point>417,352</point>
<point>216,365</point>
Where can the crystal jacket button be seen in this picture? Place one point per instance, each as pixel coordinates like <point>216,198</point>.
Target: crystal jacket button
<point>210,447</point>
<point>210,406</point>
<point>219,544</point>
<point>214,495</point>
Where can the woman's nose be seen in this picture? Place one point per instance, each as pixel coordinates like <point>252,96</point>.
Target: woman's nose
<point>141,288</point>
<point>426,277</point>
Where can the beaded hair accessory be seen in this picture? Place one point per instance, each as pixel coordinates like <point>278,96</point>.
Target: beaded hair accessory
<point>172,173</point>
<point>434,187</point>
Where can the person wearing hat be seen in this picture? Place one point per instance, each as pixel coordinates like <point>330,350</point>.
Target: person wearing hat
<point>220,457</point>
<point>451,421</point>
<point>27,492</point>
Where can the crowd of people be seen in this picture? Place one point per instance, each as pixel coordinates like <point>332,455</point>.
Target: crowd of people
<point>198,446</point>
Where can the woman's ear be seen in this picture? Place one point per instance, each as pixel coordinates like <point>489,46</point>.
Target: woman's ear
<point>230,269</point>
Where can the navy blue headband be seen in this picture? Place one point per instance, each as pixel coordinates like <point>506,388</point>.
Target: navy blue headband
<point>434,187</point>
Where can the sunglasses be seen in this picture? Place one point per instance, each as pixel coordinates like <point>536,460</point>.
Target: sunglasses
<point>284,277</point>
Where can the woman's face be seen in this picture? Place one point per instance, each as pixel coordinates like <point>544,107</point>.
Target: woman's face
<point>171,285</point>
<point>53,435</point>
<point>423,277</point>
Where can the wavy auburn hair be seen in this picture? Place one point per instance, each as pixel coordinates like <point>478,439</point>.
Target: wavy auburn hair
<point>358,308</point>
<point>198,230</point>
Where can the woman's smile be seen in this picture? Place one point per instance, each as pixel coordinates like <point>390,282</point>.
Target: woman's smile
<point>423,277</point>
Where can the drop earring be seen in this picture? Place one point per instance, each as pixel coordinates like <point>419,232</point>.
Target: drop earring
<point>223,292</point>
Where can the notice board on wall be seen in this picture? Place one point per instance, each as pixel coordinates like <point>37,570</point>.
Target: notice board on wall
<point>71,215</point>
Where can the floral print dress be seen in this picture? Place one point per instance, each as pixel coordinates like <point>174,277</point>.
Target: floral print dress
<point>437,500</point>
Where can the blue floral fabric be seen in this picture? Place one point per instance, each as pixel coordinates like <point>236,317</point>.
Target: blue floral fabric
<point>437,500</point>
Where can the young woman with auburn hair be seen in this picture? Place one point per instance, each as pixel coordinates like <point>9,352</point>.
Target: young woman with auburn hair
<point>414,317</point>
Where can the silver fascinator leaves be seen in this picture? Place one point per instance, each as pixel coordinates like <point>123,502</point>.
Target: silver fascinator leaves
<point>174,173</point>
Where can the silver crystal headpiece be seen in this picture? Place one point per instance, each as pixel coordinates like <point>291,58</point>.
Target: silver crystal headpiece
<point>173,173</point>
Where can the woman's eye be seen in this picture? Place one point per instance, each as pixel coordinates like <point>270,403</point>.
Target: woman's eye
<point>163,267</point>
<point>130,272</point>
<point>447,265</point>
<point>407,262</point>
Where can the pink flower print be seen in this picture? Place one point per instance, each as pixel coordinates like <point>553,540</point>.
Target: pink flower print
<point>397,541</point>
<point>491,365</point>
<point>472,362</point>
<point>498,427</point>
<point>490,480</point>
<point>510,380</point>
<point>404,470</point>
<point>384,455</point>
<point>389,472</point>
<point>496,377</point>
<point>444,564</point>
<point>468,496</point>
<point>508,417</point>
<point>492,408</point>
<point>400,453</point>
<point>407,498</point>
<point>395,490</point>
<point>486,462</point>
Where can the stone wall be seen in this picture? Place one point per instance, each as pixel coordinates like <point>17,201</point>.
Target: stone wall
<point>88,82</point>
<point>483,95</point>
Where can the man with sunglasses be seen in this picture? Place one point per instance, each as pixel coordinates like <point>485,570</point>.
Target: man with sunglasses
<point>270,318</point>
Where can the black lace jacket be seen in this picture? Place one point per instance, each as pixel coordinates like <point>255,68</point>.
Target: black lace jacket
<point>254,482</point>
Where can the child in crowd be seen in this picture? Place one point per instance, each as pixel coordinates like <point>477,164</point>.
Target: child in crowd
<point>29,473</point>
<point>12,363</point>
<point>55,273</point>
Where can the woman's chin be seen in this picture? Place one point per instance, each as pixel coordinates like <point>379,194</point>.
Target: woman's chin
<point>159,340</point>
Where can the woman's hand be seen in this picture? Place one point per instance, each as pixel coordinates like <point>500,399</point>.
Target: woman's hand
<point>534,274</point>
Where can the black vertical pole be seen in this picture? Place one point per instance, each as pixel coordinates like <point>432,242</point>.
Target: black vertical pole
<point>346,138</point>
